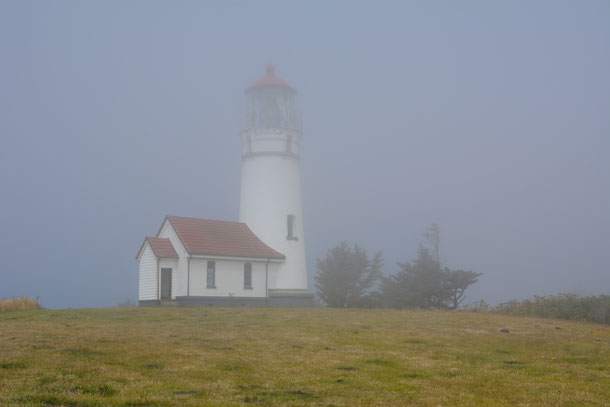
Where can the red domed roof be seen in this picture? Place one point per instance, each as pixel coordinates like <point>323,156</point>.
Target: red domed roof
<point>271,80</point>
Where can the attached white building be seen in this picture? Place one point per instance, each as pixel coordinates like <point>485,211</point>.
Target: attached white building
<point>259,260</point>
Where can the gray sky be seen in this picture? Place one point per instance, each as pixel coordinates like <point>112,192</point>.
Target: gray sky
<point>491,119</point>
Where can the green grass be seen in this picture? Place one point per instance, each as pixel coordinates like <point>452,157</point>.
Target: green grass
<point>323,357</point>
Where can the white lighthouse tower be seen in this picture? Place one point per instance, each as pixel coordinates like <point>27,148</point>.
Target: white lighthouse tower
<point>270,183</point>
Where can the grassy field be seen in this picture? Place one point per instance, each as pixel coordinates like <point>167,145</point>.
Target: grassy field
<point>326,357</point>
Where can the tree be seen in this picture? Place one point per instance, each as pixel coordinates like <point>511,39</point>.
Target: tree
<point>418,284</point>
<point>433,234</point>
<point>456,282</point>
<point>345,276</point>
<point>423,283</point>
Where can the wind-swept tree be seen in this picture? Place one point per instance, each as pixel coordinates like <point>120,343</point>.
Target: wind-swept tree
<point>345,277</point>
<point>456,282</point>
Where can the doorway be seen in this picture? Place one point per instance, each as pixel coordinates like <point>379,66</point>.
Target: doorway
<point>166,284</point>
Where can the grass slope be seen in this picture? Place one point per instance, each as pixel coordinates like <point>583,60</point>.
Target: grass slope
<point>216,356</point>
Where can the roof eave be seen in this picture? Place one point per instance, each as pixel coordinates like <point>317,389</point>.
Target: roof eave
<point>281,257</point>
<point>270,86</point>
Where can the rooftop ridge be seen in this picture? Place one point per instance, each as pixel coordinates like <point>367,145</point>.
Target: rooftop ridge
<point>207,219</point>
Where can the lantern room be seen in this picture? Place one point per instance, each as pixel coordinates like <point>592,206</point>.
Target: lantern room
<point>270,103</point>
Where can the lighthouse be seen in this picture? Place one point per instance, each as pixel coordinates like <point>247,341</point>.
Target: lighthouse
<point>260,260</point>
<point>270,180</point>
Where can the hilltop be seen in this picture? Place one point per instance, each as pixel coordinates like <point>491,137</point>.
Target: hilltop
<point>268,356</point>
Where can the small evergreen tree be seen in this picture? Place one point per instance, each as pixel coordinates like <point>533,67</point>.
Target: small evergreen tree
<point>418,284</point>
<point>345,276</point>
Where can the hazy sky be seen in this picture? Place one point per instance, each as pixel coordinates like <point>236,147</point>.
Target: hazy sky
<point>491,119</point>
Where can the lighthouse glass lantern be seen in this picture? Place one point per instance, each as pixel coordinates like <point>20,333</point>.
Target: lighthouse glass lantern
<point>271,103</point>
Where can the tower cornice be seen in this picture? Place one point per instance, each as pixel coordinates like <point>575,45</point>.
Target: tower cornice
<point>272,130</point>
<point>271,153</point>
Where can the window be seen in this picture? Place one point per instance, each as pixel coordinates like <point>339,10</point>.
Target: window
<point>248,276</point>
<point>211,274</point>
<point>290,226</point>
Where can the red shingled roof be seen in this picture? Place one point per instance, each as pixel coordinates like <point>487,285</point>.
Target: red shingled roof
<point>271,80</point>
<point>161,247</point>
<point>220,238</point>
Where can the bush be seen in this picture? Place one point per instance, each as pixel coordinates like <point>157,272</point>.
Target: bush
<point>563,306</point>
<point>127,303</point>
<point>18,304</point>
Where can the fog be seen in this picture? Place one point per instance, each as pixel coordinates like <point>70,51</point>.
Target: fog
<point>490,119</point>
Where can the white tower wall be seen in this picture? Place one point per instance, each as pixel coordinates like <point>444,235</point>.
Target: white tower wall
<point>270,192</point>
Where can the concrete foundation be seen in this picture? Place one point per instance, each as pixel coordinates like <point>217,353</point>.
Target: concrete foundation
<point>276,298</point>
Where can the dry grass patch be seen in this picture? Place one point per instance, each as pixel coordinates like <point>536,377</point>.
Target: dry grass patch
<point>18,304</point>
